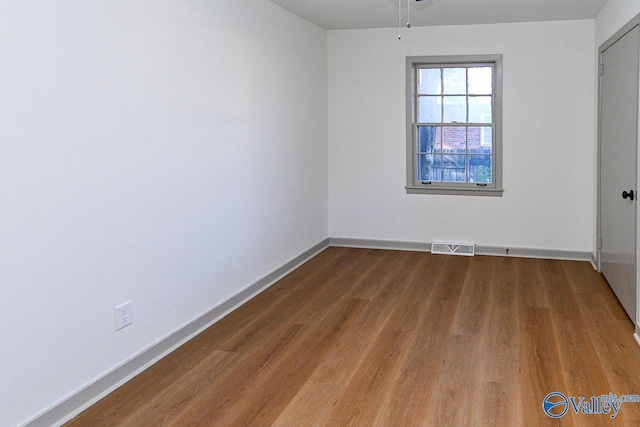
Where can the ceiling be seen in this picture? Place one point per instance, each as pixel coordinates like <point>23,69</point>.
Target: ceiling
<point>352,14</point>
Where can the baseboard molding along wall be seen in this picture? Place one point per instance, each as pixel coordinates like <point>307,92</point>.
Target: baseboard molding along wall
<point>480,249</point>
<point>92,393</point>
<point>84,398</point>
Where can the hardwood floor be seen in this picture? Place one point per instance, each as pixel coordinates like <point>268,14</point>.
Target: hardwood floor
<point>389,338</point>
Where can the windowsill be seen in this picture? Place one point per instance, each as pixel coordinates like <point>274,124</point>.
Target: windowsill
<point>487,192</point>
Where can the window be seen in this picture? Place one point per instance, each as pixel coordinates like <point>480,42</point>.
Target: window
<point>454,143</point>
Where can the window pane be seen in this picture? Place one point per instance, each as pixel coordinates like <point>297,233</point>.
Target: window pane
<point>429,81</point>
<point>480,139</point>
<point>453,169</point>
<point>454,139</point>
<point>480,109</point>
<point>480,81</point>
<point>455,81</point>
<point>430,109</point>
<point>455,109</point>
<point>429,139</point>
<point>480,169</point>
<point>429,168</point>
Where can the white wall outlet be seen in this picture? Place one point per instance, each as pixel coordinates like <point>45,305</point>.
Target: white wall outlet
<point>124,315</point>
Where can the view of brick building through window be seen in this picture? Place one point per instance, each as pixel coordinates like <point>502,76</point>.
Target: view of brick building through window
<point>454,132</point>
<point>443,153</point>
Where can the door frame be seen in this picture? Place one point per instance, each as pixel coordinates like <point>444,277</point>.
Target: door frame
<point>635,22</point>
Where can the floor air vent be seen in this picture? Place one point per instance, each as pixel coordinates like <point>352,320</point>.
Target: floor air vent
<point>452,248</point>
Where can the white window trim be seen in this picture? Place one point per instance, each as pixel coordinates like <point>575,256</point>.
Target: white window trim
<point>413,185</point>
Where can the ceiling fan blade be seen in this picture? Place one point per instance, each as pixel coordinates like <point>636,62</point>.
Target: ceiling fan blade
<point>422,4</point>
<point>415,4</point>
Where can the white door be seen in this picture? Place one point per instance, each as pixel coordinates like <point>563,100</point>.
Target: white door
<point>618,165</point>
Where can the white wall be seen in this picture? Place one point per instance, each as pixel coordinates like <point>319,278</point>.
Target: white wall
<point>548,137</point>
<point>167,152</point>
<point>613,16</point>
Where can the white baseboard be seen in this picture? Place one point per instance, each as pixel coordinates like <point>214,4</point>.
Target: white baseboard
<point>73,405</point>
<point>479,250</point>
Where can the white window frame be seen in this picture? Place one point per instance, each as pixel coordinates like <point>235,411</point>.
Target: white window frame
<point>414,186</point>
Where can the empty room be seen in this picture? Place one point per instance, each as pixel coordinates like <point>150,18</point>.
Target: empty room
<point>319,213</point>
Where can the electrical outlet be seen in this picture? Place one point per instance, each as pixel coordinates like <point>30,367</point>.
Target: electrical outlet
<point>124,315</point>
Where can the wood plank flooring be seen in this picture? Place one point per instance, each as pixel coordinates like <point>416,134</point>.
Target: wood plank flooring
<point>359,337</point>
